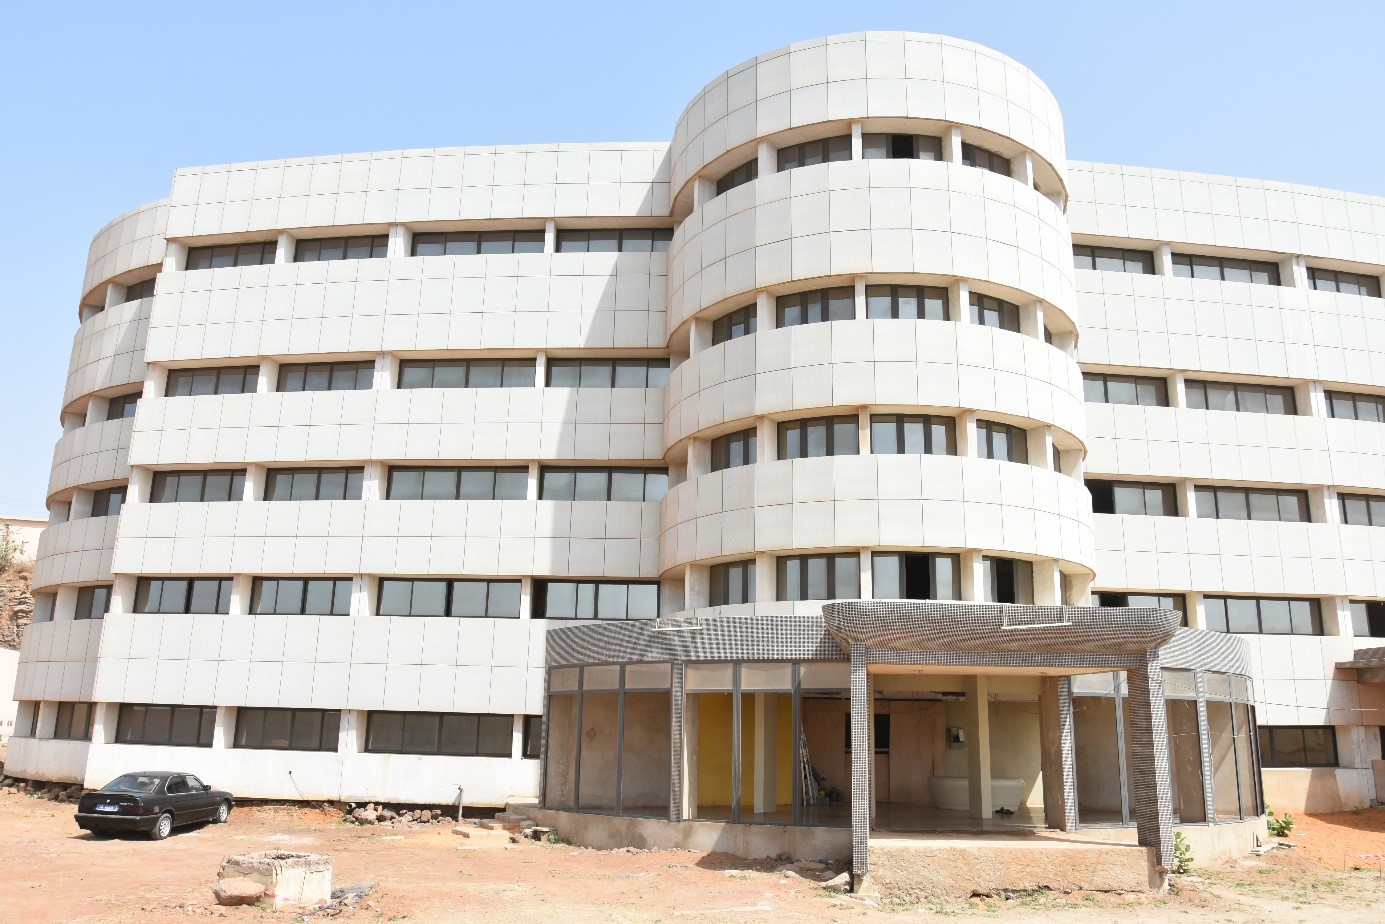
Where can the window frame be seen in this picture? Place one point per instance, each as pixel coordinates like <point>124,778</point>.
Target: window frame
<point>159,486</point>
<point>930,303</point>
<point>655,371</point>
<point>120,407</point>
<point>108,502</point>
<point>378,245</point>
<point>1365,281</point>
<point>542,589</point>
<point>144,587</point>
<point>89,598</point>
<point>746,441</point>
<point>1269,749</point>
<point>1372,505</point>
<point>1140,383</point>
<point>136,291</point>
<point>206,724</point>
<point>983,306</point>
<point>832,303</point>
<point>253,253</point>
<point>657,239</point>
<point>513,373</point>
<point>738,176</point>
<point>248,377</point>
<point>339,593</point>
<point>1192,262</point>
<point>518,242</point>
<point>1166,493</point>
<point>655,482</point>
<point>974,155</point>
<point>247,714</point>
<point>1016,436</point>
<point>745,320</point>
<point>354,477</point>
<point>1178,602</point>
<point>439,719</point>
<point>342,368</point>
<point>888,146</point>
<point>829,150</point>
<point>930,424</point>
<point>1336,398</point>
<point>786,430</point>
<point>720,582</point>
<point>1142,260</point>
<point>931,564</point>
<point>1221,621</point>
<point>517,475</point>
<point>63,724</point>
<point>1020,579</point>
<point>1216,498</point>
<point>451,601</point>
<point>1242,391</point>
<point>834,566</point>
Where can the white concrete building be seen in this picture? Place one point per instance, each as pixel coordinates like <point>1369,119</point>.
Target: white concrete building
<point>861,330</point>
<point>24,533</point>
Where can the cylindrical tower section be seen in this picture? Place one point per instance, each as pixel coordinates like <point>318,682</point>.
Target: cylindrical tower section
<point>871,290</point>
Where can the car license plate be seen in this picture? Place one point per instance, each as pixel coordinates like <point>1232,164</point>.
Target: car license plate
<point>108,808</point>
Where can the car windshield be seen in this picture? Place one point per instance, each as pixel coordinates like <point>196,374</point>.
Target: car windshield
<point>132,782</point>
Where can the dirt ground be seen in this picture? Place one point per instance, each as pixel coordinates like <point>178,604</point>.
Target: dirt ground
<point>52,872</point>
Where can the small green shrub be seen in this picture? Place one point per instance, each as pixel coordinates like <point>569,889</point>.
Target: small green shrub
<point>1279,825</point>
<point>1182,853</point>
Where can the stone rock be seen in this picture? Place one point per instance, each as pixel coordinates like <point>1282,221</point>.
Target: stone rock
<point>238,891</point>
<point>388,815</point>
<point>425,816</point>
<point>809,866</point>
<point>365,816</point>
<point>463,830</point>
<point>839,883</point>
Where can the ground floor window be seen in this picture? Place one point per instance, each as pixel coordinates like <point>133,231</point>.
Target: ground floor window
<point>533,737</point>
<point>1298,746</point>
<point>446,734</point>
<point>178,726</point>
<point>288,729</point>
<point>74,721</point>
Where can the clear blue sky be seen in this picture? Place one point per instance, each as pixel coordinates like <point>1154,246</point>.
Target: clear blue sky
<point>102,101</point>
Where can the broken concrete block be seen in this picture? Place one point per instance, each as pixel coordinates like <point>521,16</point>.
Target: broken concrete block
<point>289,879</point>
<point>238,891</point>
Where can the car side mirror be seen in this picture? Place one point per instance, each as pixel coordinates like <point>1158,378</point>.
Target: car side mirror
<point>206,787</point>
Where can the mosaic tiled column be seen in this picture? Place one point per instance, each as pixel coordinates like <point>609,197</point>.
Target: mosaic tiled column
<point>861,757</point>
<point>1059,754</point>
<point>1204,744</point>
<point>676,691</point>
<point>1149,758</point>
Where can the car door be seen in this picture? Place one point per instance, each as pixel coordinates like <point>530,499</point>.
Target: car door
<point>202,802</point>
<point>179,799</point>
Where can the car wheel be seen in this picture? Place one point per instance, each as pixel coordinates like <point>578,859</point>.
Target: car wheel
<point>163,827</point>
<point>223,812</point>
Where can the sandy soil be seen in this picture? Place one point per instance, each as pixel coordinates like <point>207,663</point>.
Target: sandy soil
<point>53,872</point>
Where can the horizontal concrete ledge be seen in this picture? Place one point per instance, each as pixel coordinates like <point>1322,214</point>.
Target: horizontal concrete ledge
<point>924,867</point>
<point>607,832</point>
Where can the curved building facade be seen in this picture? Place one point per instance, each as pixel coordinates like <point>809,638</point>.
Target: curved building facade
<point>346,438</point>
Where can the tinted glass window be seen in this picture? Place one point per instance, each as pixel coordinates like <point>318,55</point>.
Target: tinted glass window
<point>916,303</point>
<point>301,596</point>
<point>453,734</point>
<point>122,406</point>
<point>183,595</point>
<point>432,597</point>
<point>994,312</point>
<point>734,449</point>
<point>1229,503</point>
<point>227,255</point>
<point>738,323</point>
<point>608,373</point>
<point>819,577</point>
<point>912,434</point>
<point>108,501</point>
<point>739,176</point>
<point>603,484</point>
<point>624,240</point>
<point>901,147</point>
<point>821,151</point>
<point>1226,269</point>
<point>365,247</point>
<point>470,243</point>
<point>1098,388</point>
<point>287,729</point>
<point>834,304</point>
<point>1001,441</point>
<point>1345,283</point>
<point>349,376</point>
<point>1239,396</point>
<point>596,600</point>
<point>1113,259</point>
<point>733,582</point>
<point>1270,615</point>
<point>228,380</point>
<point>307,484</point>
<point>813,437</point>
<point>197,487</point>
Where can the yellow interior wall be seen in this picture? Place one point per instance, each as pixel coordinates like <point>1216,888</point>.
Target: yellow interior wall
<point>783,767</point>
<point>713,748</point>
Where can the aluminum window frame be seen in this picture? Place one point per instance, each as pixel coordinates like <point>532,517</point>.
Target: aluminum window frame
<point>791,434</point>
<point>885,302</point>
<point>656,240</point>
<point>1269,746</point>
<point>165,481</point>
<point>742,444</point>
<point>327,741</point>
<point>477,243</point>
<point>274,588</point>
<point>439,720</point>
<point>225,380</point>
<point>230,256</point>
<point>656,372</point>
<point>294,378</point>
<point>728,576</point>
<point>794,576</point>
<point>738,176</point>
<point>735,324</point>
<point>353,483</point>
<point>1188,266</point>
<point>654,489</point>
<point>587,597</point>
<point>311,250</point>
<point>188,593</point>
<point>503,598</point>
<point>1217,614</point>
<point>1326,280</point>
<point>1245,394</point>
<point>1221,502</point>
<point>815,306</point>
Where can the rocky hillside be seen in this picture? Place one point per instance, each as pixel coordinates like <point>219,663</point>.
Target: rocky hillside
<point>16,605</point>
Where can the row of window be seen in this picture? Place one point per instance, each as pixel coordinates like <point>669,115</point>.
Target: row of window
<point>895,576</point>
<point>838,303</point>
<point>429,244</point>
<point>1151,391</point>
<point>874,146</point>
<point>1226,269</point>
<point>458,734</point>
<point>1215,502</point>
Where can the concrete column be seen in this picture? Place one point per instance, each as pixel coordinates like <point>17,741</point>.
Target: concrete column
<point>550,236</point>
<point>677,751</point>
<point>952,145</point>
<point>242,587</point>
<point>1323,506</point>
<point>686,758</point>
<point>1178,391</point>
<point>104,717</point>
<point>73,421</point>
<point>532,491</point>
<point>1057,754</point>
<point>1147,735</point>
<point>1079,589</point>
<point>856,141</point>
<point>1197,615</point>
<point>65,603</point>
<point>351,732</point>
<point>59,512</point>
<point>863,430</point>
<point>137,491</point>
<point>699,457</point>
<point>79,507</point>
<point>1048,584</point>
<point>96,410</point>
<point>283,247</point>
<point>115,295</point>
<point>86,312</point>
<point>375,484</point>
<point>363,597</point>
<point>400,242</point>
<point>867,576</point>
<point>1022,168</point>
<point>862,761</point>
<point>764,312</point>
<point>966,434</point>
<point>155,381</point>
<point>175,257</point>
<point>1040,446</point>
<point>765,578</point>
<point>268,379</point>
<point>704,191</point>
<point>1315,402</point>
<point>766,439</point>
<point>122,595</point>
<point>765,753</point>
<point>959,301</point>
<point>697,586</point>
<point>977,727</point>
<point>386,369</point>
<point>1163,260</point>
<point>47,719</point>
<point>1204,744</point>
<point>224,732</point>
<point>255,481</point>
<point>1187,498</point>
<point>541,369</point>
<point>1293,272</point>
<point>860,286</point>
<point>699,336</point>
<point>1032,320</point>
<point>768,157</point>
<point>970,578</point>
<point>517,738</point>
<point>1336,616</point>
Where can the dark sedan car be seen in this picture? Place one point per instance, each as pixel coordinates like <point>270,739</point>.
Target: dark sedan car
<point>153,802</point>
